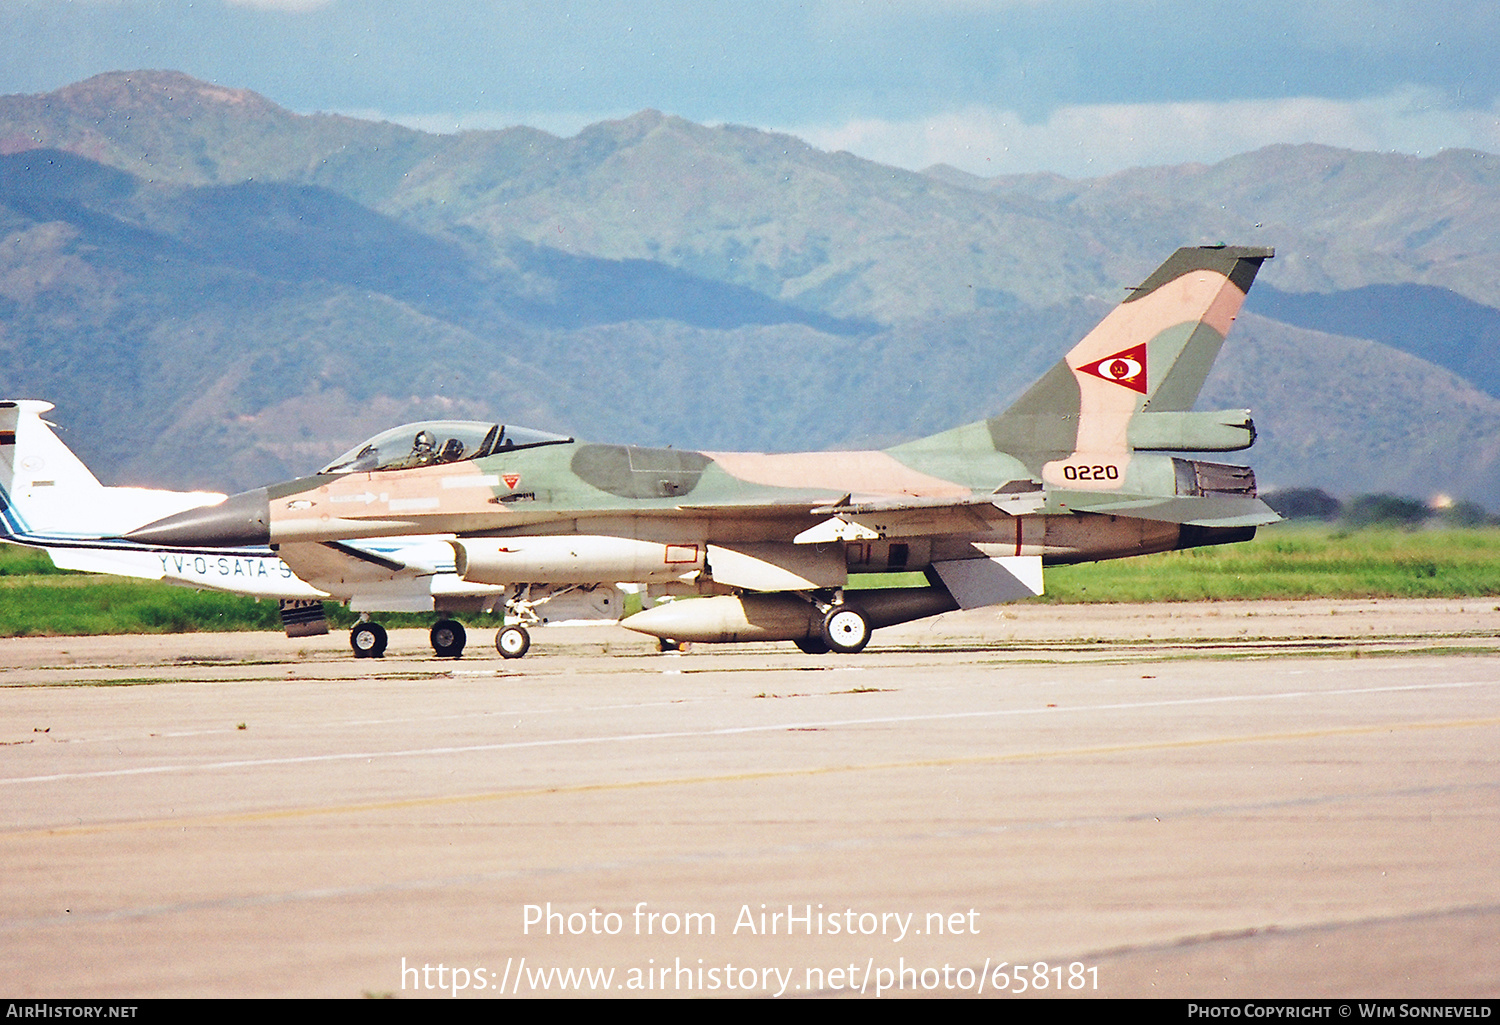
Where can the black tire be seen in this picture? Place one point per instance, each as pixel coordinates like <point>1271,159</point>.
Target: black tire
<point>368,640</point>
<point>812,645</point>
<point>666,645</point>
<point>512,641</point>
<point>448,638</point>
<point>846,630</point>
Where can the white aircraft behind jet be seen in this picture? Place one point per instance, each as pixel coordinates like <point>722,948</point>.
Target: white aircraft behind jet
<point>50,500</point>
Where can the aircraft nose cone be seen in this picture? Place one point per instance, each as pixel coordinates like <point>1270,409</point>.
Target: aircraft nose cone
<point>243,519</point>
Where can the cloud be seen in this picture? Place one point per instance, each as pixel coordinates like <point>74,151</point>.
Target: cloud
<point>1091,140</point>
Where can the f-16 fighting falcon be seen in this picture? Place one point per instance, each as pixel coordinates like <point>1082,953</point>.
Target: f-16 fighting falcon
<point>1078,469</point>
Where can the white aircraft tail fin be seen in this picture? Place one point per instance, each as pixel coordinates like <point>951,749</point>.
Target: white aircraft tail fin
<point>29,448</point>
<point>48,494</point>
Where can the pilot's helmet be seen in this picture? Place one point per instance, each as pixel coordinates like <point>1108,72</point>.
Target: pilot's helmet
<point>424,442</point>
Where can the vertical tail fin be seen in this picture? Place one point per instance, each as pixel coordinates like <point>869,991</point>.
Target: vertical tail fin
<point>46,488</point>
<point>1145,362</point>
<point>48,494</point>
<point>1178,317</point>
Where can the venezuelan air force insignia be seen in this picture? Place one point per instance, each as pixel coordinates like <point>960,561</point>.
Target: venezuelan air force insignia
<point>1126,367</point>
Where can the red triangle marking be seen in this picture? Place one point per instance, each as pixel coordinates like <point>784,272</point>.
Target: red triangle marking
<point>1126,367</point>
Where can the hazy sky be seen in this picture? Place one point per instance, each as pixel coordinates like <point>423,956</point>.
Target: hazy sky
<point>1080,87</point>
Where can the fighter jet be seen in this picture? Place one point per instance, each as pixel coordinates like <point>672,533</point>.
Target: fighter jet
<point>771,546</point>
<point>50,500</point>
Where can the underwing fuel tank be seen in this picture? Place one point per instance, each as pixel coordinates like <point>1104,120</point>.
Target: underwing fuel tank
<point>780,617</point>
<point>573,559</point>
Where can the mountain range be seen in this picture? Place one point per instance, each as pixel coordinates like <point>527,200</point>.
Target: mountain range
<point>218,292</point>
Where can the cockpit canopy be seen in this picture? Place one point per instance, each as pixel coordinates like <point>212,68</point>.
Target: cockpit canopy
<point>436,441</point>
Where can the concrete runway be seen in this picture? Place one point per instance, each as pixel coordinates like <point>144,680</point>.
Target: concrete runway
<point>1229,799</point>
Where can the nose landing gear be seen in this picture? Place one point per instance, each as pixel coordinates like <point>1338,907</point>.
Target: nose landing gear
<point>512,641</point>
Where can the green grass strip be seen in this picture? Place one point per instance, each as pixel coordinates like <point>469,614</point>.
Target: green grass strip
<point>1285,561</point>
<point>1291,561</point>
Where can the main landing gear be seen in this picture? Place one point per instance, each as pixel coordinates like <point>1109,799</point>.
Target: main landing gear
<point>369,639</point>
<point>448,638</point>
<point>845,630</point>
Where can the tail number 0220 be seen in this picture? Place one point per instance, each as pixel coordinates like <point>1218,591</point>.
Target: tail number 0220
<point>1106,472</point>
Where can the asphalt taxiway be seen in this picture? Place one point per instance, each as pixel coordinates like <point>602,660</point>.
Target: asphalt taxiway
<point>1228,799</point>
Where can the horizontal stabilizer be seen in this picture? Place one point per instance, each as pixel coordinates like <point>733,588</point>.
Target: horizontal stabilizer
<point>1207,511</point>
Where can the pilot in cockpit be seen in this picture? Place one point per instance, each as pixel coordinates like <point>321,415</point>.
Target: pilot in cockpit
<point>423,449</point>
<point>434,443</point>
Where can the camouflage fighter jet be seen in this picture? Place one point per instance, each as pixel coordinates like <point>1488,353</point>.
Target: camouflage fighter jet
<point>1078,469</point>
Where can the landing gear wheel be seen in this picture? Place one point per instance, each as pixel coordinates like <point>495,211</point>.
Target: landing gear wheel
<point>812,645</point>
<point>846,630</point>
<point>666,645</point>
<point>368,640</point>
<point>448,638</point>
<point>512,641</point>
